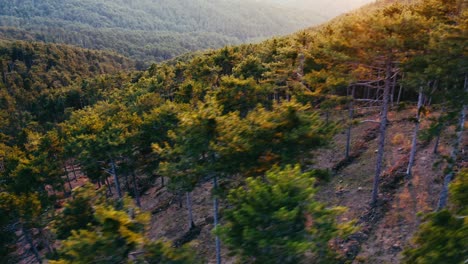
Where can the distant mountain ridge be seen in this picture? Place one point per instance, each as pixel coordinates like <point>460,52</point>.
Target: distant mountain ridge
<point>327,8</point>
<point>150,30</point>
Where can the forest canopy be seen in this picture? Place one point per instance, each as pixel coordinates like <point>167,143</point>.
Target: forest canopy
<point>149,30</point>
<point>82,134</point>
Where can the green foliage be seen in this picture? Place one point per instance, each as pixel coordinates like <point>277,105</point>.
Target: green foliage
<point>240,95</point>
<point>8,205</point>
<point>207,142</point>
<point>276,219</point>
<point>459,192</point>
<point>265,137</point>
<point>162,253</point>
<point>237,111</point>
<point>42,82</point>
<point>78,212</point>
<point>191,154</point>
<point>98,230</point>
<point>116,230</point>
<point>149,31</point>
<point>442,238</point>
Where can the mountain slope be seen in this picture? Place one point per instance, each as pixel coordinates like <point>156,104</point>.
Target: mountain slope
<point>329,9</point>
<point>231,114</point>
<point>149,29</point>
<point>40,81</point>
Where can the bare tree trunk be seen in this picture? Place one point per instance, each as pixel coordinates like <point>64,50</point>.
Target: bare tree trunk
<point>68,177</point>
<point>45,240</point>
<point>400,91</point>
<point>453,157</point>
<point>116,179</point>
<point>439,133</point>
<point>383,131</point>
<point>179,199</point>
<point>106,181</point>
<point>74,172</point>
<point>348,132</point>
<point>127,183</point>
<point>30,241</point>
<point>135,190</point>
<point>415,133</point>
<point>189,210</point>
<point>392,93</point>
<point>215,216</point>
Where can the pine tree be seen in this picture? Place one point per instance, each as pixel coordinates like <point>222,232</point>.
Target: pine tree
<point>275,219</point>
<point>116,229</point>
<point>442,236</point>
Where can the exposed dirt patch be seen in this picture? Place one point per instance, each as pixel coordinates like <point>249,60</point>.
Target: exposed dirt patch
<point>171,222</point>
<point>385,229</point>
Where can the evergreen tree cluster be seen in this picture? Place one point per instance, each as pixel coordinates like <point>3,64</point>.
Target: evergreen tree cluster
<point>244,117</point>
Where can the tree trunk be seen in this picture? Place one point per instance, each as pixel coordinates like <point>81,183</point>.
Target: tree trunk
<point>392,93</point>
<point>400,91</point>
<point>45,240</point>
<point>439,133</point>
<point>116,179</point>
<point>127,183</point>
<point>189,210</point>
<point>348,132</point>
<point>215,216</point>
<point>74,172</point>
<point>415,134</point>
<point>106,181</point>
<point>135,190</point>
<point>383,131</point>
<point>453,157</point>
<point>68,177</point>
<point>30,241</point>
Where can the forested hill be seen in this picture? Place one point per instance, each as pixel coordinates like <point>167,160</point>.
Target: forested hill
<point>330,9</point>
<point>40,81</point>
<point>220,154</point>
<point>150,30</point>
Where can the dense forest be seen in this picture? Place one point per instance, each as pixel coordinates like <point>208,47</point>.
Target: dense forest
<point>93,153</point>
<point>149,30</point>
<point>329,9</point>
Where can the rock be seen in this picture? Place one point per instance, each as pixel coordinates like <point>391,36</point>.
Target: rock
<point>396,247</point>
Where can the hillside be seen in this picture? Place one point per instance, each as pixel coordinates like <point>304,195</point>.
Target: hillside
<point>329,9</point>
<point>344,143</point>
<point>41,82</point>
<point>150,30</point>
